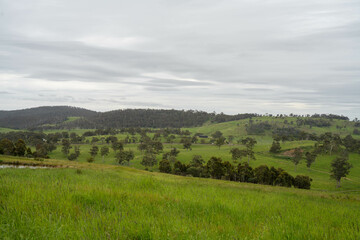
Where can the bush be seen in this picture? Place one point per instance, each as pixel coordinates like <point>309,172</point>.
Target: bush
<point>303,182</point>
<point>90,159</point>
<point>284,179</point>
<point>179,168</point>
<point>164,166</point>
<point>72,156</point>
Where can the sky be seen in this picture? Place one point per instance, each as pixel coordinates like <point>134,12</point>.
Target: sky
<point>231,56</point>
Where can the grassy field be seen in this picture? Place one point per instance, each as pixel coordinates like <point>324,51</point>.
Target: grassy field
<point>95,201</point>
<point>102,200</point>
<point>319,172</point>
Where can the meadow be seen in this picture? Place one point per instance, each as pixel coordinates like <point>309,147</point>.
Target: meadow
<point>96,201</point>
<point>103,200</point>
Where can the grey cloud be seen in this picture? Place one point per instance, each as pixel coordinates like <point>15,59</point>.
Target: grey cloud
<point>307,48</point>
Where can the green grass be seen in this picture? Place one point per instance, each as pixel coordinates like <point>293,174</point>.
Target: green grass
<point>109,202</point>
<point>6,130</point>
<point>319,172</point>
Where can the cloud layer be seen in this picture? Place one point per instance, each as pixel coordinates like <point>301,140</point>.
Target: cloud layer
<point>276,56</point>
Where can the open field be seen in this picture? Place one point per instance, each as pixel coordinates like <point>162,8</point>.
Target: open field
<point>108,202</point>
<point>319,172</point>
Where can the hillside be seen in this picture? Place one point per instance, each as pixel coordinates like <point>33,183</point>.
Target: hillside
<point>94,201</point>
<point>40,116</point>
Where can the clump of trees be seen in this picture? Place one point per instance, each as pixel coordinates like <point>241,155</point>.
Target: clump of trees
<point>243,172</point>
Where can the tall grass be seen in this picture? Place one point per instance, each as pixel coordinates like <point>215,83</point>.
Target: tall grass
<point>120,203</point>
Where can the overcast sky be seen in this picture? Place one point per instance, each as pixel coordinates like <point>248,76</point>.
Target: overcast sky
<point>274,56</point>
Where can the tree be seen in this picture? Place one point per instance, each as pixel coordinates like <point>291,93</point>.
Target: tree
<point>116,145</point>
<point>197,161</point>
<point>340,167</point>
<point>164,166</point>
<point>104,151</point>
<point>220,141</point>
<point>41,151</point>
<point>297,156</point>
<point>157,146</point>
<point>236,153</point>
<point>275,147</point>
<point>179,168</point>
<point>245,173</point>
<point>72,156</point>
<point>170,139</point>
<point>94,151</point>
<point>217,134</point>
<point>20,148</point>
<point>215,167</point>
<point>249,144</point>
<point>263,175</point>
<point>77,151</point>
<point>186,143</point>
<point>124,156</point>
<point>148,160</point>
<point>310,158</point>
<point>174,152</point>
<point>303,182</point>
<point>66,146</point>
<point>7,147</point>
<point>229,171</point>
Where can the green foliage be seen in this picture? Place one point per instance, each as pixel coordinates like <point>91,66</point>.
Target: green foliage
<point>94,150</point>
<point>303,182</point>
<point>310,158</point>
<point>340,167</point>
<point>148,160</point>
<point>275,147</point>
<point>164,166</point>
<point>66,146</point>
<point>298,153</point>
<point>124,156</point>
<point>215,167</point>
<point>220,141</point>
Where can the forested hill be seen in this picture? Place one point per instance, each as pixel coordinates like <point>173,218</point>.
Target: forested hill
<point>152,118</point>
<point>41,116</point>
<point>55,118</point>
<point>65,117</point>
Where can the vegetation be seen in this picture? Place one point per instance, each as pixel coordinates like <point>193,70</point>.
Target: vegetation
<point>105,202</point>
<point>218,150</point>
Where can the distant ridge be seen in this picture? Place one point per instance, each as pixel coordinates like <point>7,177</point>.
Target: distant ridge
<point>35,117</point>
<point>42,118</point>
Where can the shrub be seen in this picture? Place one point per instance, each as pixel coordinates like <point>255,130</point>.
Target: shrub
<point>303,182</point>
<point>164,166</point>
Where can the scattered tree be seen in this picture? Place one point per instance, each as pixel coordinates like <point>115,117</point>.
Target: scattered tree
<point>94,151</point>
<point>275,147</point>
<point>340,167</point>
<point>66,146</point>
<point>104,151</point>
<point>298,152</point>
<point>310,158</point>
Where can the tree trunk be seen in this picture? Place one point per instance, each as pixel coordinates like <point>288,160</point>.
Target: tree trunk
<point>338,183</point>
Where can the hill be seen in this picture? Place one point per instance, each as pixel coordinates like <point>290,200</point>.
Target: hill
<point>95,201</point>
<point>40,116</point>
<point>43,118</point>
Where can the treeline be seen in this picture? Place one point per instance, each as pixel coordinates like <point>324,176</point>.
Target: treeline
<point>243,172</point>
